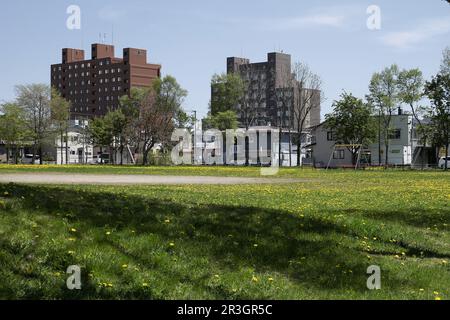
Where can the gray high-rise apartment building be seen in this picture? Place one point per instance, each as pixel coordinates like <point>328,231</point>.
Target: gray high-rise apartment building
<point>269,93</point>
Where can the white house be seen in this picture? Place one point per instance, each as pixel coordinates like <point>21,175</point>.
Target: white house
<point>400,142</point>
<point>77,150</point>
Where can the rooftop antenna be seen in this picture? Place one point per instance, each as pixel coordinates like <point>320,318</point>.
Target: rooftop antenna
<point>82,38</point>
<point>112,34</point>
<point>104,38</point>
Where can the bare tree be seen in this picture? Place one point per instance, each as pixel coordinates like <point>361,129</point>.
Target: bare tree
<point>307,87</point>
<point>251,102</point>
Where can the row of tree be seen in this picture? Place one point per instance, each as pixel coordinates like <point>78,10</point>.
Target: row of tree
<point>356,122</point>
<point>147,116</point>
<point>38,114</point>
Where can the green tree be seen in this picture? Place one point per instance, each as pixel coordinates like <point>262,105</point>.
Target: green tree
<point>117,122</point>
<point>100,133</point>
<point>438,91</point>
<point>13,129</point>
<point>384,96</point>
<point>170,97</point>
<point>352,123</point>
<point>411,91</point>
<point>221,121</point>
<point>60,111</point>
<point>160,110</point>
<point>34,99</point>
<point>150,115</point>
<point>228,90</point>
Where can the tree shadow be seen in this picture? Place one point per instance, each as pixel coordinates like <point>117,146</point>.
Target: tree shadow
<point>305,249</point>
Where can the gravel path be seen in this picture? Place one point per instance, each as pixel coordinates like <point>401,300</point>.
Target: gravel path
<point>58,178</point>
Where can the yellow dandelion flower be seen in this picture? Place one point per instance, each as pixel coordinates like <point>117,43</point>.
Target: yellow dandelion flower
<point>167,221</point>
<point>255,279</point>
<point>145,284</point>
<point>124,266</point>
<point>437,298</point>
<point>108,233</point>
<point>73,230</point>
<point>270,279</point>
<point>171,244</point>
<point>435,293</point>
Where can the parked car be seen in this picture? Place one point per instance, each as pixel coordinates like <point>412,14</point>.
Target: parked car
<point>100,159</point>
<point>28,159</point>
<point>442,162</point>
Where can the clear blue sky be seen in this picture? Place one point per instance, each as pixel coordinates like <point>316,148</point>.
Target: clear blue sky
<point>191,39</point>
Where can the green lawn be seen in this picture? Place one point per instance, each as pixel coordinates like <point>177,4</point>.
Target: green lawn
<point>311,240</point>
<point>149,170</point>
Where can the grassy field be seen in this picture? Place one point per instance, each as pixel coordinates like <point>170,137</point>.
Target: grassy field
<point>311,240</point>
<point>152,170</point>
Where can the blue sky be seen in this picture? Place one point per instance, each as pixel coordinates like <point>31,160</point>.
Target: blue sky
<point>191,39</point>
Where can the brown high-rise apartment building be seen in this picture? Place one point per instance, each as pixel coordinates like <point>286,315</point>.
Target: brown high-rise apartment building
<point>95,86</point>
<point>269,93</point>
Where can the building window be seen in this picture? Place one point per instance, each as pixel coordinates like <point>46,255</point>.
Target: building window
<point>395,134</point>
<point>331,136</point>
<point>339,154</point>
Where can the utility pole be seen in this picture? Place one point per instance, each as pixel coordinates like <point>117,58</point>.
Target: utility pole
<point>379,137</point>
<point>195,133</point>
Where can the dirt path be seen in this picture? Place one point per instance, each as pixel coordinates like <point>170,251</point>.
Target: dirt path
<point>58,178</point>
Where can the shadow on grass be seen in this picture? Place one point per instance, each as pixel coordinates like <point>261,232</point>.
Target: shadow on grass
<point>307,250</point>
